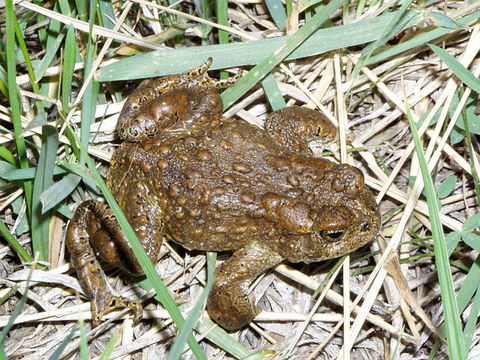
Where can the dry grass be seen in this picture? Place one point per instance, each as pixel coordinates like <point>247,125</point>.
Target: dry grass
<point>396,297</point>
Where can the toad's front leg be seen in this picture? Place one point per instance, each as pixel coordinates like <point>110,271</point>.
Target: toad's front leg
<point>229,304</point>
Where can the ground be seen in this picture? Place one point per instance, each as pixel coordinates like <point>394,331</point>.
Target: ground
<point>358,74</point>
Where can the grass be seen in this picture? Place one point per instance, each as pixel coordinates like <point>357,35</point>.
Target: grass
<point>456,345</point>
<point>61,69</point>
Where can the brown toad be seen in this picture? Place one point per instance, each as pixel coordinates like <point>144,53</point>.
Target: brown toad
<point>218,184</point>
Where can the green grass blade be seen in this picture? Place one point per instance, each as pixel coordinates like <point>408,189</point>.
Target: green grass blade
<point>11,320</point>
<point>472,321</point>
<point>231,95</point>
<point>221,8</point>
<point>107,13</point>
<point>81,7</point>
<point>14,243</point>
<point>305,4</point>
<point>166,62</point>
<point>471,223</point>
<point>360,7</point>
<point>443,20</point>
<point>47,59</point>
<point>83,341</point>
<point>455,340</point>
<point>400,19</point>
<point>56,193</point>
<point>89,99</point>
<point>82,172</point>
<point>221,338</point>
<point>465,294</point>
<point>43,180</point>
<point>58,351</point>
<point>65,7</point>
<point>110,347</point>
<point>420,40</point>
<point>68,67</point>
<point>13,96</point>
<point>458,69</point>
<point>54,38</point>
<point>3,81</point>
<point>469,121</point>
<point>26,56</point>
<point>7,155</point>
<point>41,116</point>
<point>278,13</point>
<point>42,32</point>
<point>10,172</point>
<point>273,93</point>
<point>177,348</point>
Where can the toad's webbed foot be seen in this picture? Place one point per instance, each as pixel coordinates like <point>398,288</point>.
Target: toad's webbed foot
<point>103,302</point>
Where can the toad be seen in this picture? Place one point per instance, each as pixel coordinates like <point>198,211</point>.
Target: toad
<point>216,184</point>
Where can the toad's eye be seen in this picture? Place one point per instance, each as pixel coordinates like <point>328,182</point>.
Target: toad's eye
<point>365,225</point>
<point>332,235</point>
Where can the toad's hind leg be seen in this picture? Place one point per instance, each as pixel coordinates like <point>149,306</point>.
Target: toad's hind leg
<point>294,127</point>
<point>82,227</point>
<point>228,303</point>
<point>94,231</point>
